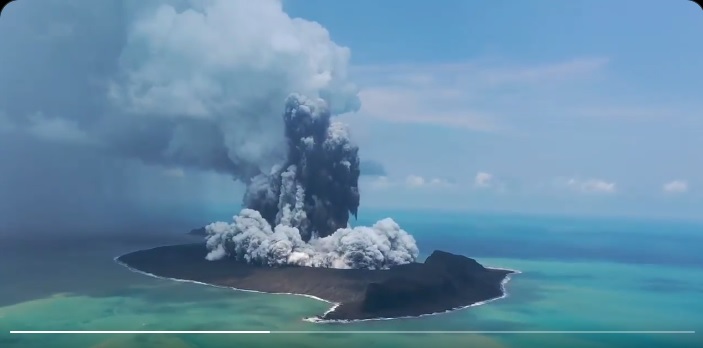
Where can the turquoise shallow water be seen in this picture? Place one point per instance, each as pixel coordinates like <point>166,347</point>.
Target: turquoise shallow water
<point>577,274</point>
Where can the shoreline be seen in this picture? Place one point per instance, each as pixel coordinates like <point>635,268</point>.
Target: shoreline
<point>503,288</point>
<point>318,319</point>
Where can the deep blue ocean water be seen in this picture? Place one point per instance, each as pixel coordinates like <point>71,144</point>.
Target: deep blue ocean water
<point>578,274</point>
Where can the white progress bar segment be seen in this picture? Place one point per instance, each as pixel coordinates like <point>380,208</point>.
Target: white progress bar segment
<point>359,332</point>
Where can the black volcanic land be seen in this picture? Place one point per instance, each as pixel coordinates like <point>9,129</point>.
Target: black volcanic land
<point>443,282</point>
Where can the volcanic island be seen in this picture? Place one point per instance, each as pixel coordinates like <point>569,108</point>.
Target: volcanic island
<point>442,283</point>
<point>293,236</point>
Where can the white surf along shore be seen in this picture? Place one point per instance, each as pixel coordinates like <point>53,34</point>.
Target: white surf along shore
<point>318,319</point>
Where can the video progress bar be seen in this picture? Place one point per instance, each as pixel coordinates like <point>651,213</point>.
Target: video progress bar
<point>111,332</point>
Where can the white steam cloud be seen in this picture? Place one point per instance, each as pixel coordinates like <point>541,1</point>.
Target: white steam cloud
<point>251,239</point>
<point>220,71</point>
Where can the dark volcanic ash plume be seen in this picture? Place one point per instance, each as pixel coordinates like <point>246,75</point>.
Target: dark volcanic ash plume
<point>319,178</point>
<point>298,214</point>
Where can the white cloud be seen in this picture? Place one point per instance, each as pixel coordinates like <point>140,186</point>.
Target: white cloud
<point>476,95</point>
<point>229,48</point>
<point>483,180</point>
<point>438,182</point>
<point>591,185</point>
<point>414,181</point>
<point>397,105</point>
<point>219,72</point>
<point>411,181</point>
<point>675,186</point>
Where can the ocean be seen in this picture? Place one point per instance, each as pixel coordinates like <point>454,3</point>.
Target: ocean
<point>585,282</point>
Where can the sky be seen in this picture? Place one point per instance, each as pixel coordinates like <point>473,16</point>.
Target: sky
<point>545,106</point>
<point>113,112</point>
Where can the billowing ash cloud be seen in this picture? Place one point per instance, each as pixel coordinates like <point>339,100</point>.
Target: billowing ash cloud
<point>196,85</point>
<point>318,181</point>
<point>213,79</point>
<point>250,238</point>
<point>308,200</point>
<point>97,95</point>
